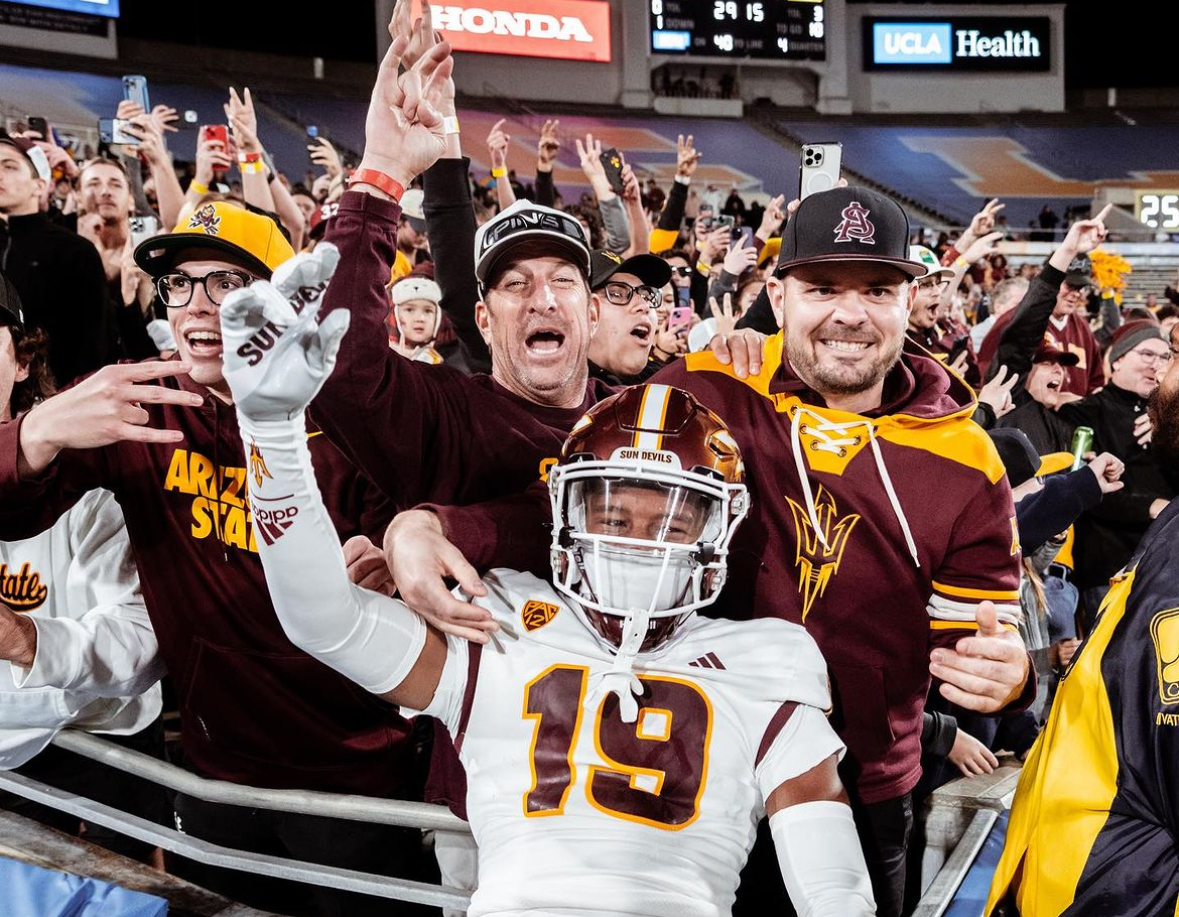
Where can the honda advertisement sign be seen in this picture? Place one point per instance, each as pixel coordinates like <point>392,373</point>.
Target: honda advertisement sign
<point>563,29</point>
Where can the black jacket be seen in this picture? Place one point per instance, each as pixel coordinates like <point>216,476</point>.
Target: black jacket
<point>62,287</point>
<point>1108,535</point>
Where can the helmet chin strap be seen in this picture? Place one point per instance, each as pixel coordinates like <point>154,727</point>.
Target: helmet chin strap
<point>621,678</point>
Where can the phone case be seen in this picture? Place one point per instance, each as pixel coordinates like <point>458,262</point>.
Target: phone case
<point>612,163</point>
<point>819,165</point>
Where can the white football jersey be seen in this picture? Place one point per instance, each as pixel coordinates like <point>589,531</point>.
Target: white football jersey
<point>577,812</point>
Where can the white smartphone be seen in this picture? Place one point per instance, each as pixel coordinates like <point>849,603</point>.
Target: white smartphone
<point>818,168</point>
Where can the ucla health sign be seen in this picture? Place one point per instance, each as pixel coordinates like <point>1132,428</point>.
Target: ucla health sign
<point>958,43</point>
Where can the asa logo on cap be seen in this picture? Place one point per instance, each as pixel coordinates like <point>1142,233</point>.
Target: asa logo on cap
<point>855,225</point>
<point>207,219</point>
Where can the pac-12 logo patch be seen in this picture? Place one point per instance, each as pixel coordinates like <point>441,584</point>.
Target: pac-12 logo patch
<point>855,226</point>
<point>1164,634</point>
<point>536,614</point>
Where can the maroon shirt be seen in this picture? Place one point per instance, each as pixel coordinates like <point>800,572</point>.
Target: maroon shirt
<point>256,709</point>
<point>422,433</point>
<point>1077,337</point>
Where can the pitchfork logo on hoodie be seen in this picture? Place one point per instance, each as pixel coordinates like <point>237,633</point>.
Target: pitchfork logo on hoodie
<point>855,226</point>
<point>818,562</point>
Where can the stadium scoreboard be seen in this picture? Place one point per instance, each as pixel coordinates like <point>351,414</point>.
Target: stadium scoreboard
<point>1158,209</point>
<point>782,30</point>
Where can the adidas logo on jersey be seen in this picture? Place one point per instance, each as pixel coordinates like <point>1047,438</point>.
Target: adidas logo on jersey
<point>708,661</point>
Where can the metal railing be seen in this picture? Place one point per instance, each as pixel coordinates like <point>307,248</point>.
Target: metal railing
<point>333,805</point>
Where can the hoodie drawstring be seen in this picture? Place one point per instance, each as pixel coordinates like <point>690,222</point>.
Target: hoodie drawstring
<point>825,440</point>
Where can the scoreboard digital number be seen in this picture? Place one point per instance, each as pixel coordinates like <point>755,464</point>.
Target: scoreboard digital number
<point>768,30</point>
<point>1157,209</point>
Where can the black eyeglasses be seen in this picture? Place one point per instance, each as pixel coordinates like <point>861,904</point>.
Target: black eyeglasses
<point>176,289</point>
<point>621,293</point>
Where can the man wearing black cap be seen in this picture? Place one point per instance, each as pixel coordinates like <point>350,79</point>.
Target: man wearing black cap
<point>846,434</point>
<point>58,274</point>
<point>628,292</point>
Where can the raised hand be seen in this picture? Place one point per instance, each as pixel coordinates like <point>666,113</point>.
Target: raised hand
<point>590,154</point>
<point>239,111</point>
<point>497,145</point>
<point>276,355</point>
<point>164,118</point>
<point>997,392</point>
<point>726,322</point>
<point>1085,235</point>
<point>419,33</point>
<point>740,259</point>
<point>772,218</point>
<point>404,132</point>
<point>211,157</point>
<point>687,157</point>
<point>548,145</point>
<point>326,156</point>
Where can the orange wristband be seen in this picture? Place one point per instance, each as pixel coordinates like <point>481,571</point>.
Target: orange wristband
<point>386,183</point>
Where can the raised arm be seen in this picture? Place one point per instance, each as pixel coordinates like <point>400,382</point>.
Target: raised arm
<point>375,641</point>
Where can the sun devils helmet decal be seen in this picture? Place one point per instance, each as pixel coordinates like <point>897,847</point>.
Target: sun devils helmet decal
<point>855,225</point>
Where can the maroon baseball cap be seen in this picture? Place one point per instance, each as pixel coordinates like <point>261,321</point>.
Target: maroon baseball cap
<point>1048,352</point>
<point>848,224</point>
<point>319,218</point>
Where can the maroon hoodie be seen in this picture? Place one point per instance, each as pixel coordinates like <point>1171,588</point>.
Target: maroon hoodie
<point>256,710</point>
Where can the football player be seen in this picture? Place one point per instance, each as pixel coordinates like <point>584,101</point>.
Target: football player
<point>633,743</point>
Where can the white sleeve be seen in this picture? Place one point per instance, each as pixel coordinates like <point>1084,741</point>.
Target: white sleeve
<point>805,740</point>
<point>105,646</point>
<point>821,860</point>
<point>367,637</point>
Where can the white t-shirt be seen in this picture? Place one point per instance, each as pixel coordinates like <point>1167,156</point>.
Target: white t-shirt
<point>577,812</point>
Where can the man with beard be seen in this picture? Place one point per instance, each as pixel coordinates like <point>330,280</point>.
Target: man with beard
<point>1109,535</point>
<point>846,437</point>
<point>1095,816</point>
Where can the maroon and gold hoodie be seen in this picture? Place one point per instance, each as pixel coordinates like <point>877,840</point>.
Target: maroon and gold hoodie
<point>879,533</point>
<point>255,709</point>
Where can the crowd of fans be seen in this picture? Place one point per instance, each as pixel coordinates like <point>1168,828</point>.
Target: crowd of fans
<point>1060,375</point>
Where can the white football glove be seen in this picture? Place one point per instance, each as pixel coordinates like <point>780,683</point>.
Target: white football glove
<point>276,355</point>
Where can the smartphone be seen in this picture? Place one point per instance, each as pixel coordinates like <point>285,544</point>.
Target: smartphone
<point>818,169</point>
<point>312,131</point>
<point>41,126</point>
<point>143,228</point>
<point>135,90</point>
<point>188,120</point>
<point>218,133</point>
<point>680,318</point>
<point>724,220</point>
<point>957,349</point>
<point>612,163</point>
<point>740,236</point>
<point>683,297</point>
<point>113,130</point>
